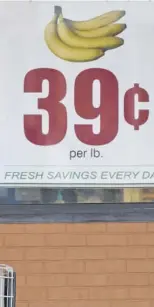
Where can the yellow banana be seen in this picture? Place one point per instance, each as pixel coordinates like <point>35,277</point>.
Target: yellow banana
<point>109,30</point>
<point>65,52</point>
<point>74,40</point>
<point>98,21</point>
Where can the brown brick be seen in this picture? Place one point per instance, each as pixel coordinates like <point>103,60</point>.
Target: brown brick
<point>151,279</point>
<point>31,294</point>
<point>27,267</point>
<point>150,227</point>
<point>11,254</point>
<point>44,253</point>
<point>86,228</point>
<point>24,240</point>
<point>2,240</point>
<point>66,293</point>
<point>140,279</point>
<point>86,253</point>
<point>65,240</point>
<point>22,304</point>
<point>105,266</point>
<point>86,280</point>
<point>140,266</point>
<point>126,252</point>
<point>141,239</point>
<point>142,292</point>
<point>107,240</point>
<point>105,272</point>
<point>64,266</point>
<point>126,227</point>
<point>90,303</point>
<point>21,281</point>
<point>45,280</point>
<point>108,293</point>
<point>12,228</point>
<point>152,303</point>
<point>50,304</point>
<point>150,252</point>
<point>130,303</point>
<point>45,228</point>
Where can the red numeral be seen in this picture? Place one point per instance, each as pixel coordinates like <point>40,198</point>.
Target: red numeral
<point>56,111</point>
<point>108,110</point>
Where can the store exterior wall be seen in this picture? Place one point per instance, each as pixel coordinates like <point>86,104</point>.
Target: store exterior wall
<point>81,265</point>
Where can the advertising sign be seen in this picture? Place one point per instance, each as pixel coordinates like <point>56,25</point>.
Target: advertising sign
<point>77,94</point>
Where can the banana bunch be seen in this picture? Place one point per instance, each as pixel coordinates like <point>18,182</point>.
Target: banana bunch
<point>83,41</point>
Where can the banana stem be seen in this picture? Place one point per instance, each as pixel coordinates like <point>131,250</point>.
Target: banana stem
<point>57,10</point>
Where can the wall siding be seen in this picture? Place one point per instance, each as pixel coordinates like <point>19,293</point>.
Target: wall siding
<point>81,265</point>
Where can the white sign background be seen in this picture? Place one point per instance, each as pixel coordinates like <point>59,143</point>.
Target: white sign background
<point>129,159</point>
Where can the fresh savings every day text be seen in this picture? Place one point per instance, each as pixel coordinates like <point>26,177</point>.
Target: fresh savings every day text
<point>97,176</point>
<point>83,110</point>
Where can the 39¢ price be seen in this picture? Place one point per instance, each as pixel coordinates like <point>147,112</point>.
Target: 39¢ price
<point>108,110</point>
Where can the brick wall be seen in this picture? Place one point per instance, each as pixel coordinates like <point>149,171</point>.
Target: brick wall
<point>81,265</point>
